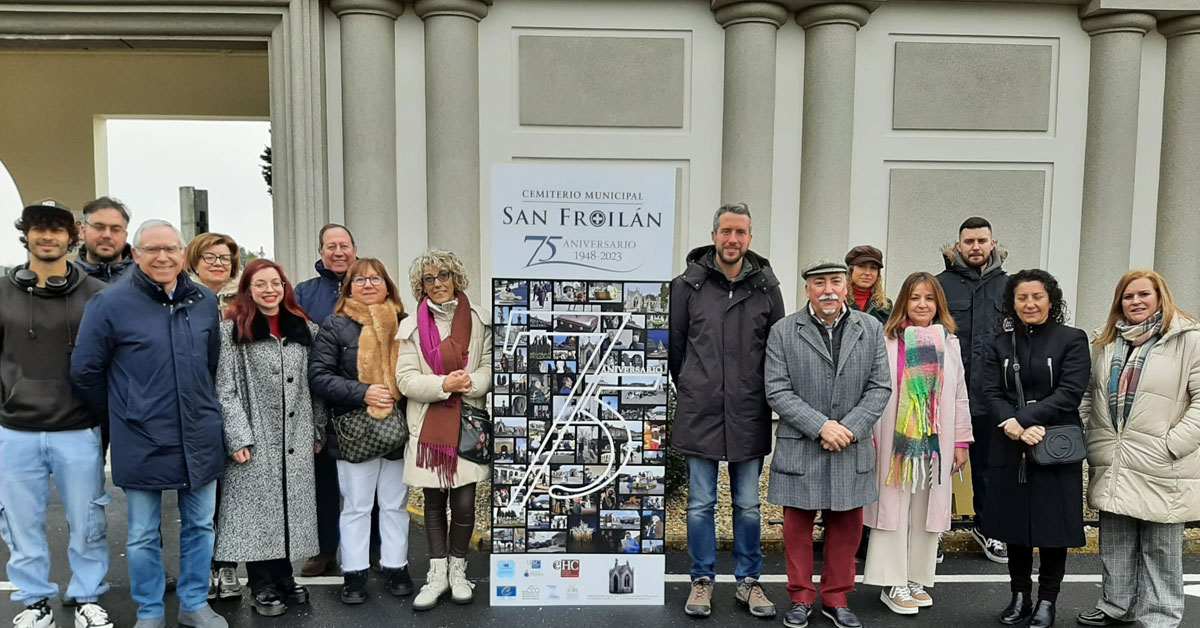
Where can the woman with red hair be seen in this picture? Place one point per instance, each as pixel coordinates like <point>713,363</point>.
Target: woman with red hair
<point>273,423</point>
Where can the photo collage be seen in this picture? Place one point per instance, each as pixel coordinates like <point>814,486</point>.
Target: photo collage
<point>558,334</point>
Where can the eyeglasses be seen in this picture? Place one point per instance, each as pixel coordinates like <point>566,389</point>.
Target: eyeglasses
<point>153,251</point>
<point>362,281</point>
<point>444,277</point>
<point>101,227</point>
<point>213,258</point>
<point>263,285</point>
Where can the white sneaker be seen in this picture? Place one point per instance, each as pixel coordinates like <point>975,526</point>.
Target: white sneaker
<point>899,600</point>
<point>919,595</point>
<point>91,616</point>
<point>37,616</point>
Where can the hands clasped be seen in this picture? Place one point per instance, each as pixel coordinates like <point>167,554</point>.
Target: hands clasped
<point>835,436</point>
<point>457,382</point>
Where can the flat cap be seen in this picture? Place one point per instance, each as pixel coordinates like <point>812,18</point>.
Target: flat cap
<point>824,267</point>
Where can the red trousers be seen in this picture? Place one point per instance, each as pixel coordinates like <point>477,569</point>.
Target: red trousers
<point>843,531</point>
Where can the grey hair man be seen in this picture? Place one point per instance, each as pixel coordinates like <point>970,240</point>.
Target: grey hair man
<point>827,377</point>
<point>721,309</point>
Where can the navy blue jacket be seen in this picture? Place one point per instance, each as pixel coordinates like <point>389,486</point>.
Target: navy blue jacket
<point>319,295</point>
<point>147,362</point>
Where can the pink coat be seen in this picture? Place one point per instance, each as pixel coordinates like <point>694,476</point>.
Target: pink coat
<point>954,421</point>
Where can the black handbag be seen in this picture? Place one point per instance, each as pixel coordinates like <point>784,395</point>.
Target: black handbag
<point>362,437</point>
<point>1062,444</point>
<point>475,435</point>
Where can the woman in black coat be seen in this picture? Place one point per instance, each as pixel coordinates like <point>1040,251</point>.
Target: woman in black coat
<point>1034,505</point>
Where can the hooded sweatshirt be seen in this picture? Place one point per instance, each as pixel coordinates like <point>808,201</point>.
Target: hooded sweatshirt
<point>37,335</point>
<point>107,272</point>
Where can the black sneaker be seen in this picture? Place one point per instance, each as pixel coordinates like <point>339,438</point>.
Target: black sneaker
<point>268,603</point>
<point>354,587</point>
<point>399,582</point>
<point>292,593</point>
<point>994,550</point>
<point>37,615</point>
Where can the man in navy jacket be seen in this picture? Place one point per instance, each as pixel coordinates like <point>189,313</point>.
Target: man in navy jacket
<point>146,356</point>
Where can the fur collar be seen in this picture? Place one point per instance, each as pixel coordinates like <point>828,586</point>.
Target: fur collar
<point>293,329</point>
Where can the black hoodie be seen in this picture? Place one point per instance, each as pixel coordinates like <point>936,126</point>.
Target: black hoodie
<point>37,335</point>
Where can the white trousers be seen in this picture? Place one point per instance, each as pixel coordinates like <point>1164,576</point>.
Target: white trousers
<point>360,483</point>
<point>906,554</point>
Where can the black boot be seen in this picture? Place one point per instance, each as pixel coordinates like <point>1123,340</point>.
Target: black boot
<point>399,582</point>
<point>268,603</point>
<point>1043,615</point>
<point>1018,610</point>
<point>354,587</point>
<point>292,593</point>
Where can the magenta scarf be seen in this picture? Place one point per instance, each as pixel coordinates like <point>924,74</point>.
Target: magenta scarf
<point>437,445</point>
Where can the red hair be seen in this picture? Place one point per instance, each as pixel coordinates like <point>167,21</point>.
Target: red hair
<point>243,309</point>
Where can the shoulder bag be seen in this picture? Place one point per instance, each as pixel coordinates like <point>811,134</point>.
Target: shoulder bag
<point>1063,444</point>
<point>362,437</point>
<point>475,435</point>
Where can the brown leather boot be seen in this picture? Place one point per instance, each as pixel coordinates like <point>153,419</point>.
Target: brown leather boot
<point>318,565</point>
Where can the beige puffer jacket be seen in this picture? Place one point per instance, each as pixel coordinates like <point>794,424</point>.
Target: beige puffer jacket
<point>1150,469</point>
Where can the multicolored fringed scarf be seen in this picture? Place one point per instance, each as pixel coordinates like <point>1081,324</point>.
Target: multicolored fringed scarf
<point>1133,344</point>
<point>437,446</point>
<point>916,460</point>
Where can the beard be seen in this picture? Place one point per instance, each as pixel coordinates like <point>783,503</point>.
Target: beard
<point>103,259</point>
<point>734,260</point>
<point>53,256</point>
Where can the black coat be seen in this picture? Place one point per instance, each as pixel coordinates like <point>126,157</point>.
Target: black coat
<point>1046,510</point>
<point>717,350</point>
<point>976,302</point>
<point>333,375</point>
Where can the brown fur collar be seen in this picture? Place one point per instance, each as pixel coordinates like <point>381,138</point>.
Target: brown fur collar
<point>378,349</point>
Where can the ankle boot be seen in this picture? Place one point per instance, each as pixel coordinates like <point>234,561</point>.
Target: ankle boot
<point>462,591</point>
<point>1018,610</point>
<point>436,585</point>
<point>1043,615</point>
<point>354,587</point>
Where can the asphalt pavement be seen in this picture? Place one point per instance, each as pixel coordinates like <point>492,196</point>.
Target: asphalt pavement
<point>971,592</point>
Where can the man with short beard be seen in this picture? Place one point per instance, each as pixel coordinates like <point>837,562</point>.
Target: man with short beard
<point>827,377</point>
<point>105,254</point>
<point>721,309</point>
<point>45,430</point>
<point>974,282</point>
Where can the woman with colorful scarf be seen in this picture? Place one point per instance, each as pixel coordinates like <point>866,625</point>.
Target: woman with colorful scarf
<point>1032,505</point>
<point>445,361</point>
<point>920,441</point>
<point>352,366</point>
<point>1142,419</point>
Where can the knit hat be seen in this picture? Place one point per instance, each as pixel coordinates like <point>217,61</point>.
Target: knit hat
<point>864,254</point>
<point>824,267</point>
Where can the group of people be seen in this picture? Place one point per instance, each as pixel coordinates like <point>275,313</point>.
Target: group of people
<point>230,386</point>
<point>881,402</point>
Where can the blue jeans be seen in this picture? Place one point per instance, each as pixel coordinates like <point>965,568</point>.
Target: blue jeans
<point>144,546</point>
<point>27,462</point>
<point>747,522</point>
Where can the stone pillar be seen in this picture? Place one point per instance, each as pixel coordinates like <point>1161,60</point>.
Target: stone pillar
<point>748,132</point>
<point>830,31</point>
<point>368,39</point>
<point>452,128</point>
<point>1110,156</point>
<point>1179,170</point>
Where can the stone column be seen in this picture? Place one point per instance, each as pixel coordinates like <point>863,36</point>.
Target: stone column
<point>1179,170</point>
<point>452,127</point>
<point>830,31</point>
<point>1110,156</point>
<point>748,132</point>
<point>368,40</point>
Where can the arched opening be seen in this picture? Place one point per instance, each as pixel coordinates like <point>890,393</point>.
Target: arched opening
<point>10,211</point>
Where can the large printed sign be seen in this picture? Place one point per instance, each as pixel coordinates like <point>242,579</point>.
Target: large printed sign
<point>579,397</point>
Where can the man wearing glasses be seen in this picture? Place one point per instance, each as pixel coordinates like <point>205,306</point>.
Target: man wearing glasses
<point>146,357</point>
<point>105,255</point>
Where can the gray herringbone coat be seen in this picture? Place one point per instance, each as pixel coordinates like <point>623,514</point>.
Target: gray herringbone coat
<point>263,388</point>
<point>805,388</point>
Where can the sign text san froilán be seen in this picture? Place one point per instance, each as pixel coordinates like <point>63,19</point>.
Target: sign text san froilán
<point>632,216</point>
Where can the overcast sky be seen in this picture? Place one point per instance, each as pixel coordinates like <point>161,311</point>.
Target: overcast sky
<point>149,160</point>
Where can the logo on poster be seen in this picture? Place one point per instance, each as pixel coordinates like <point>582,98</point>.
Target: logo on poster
<point>572,592</point>
<point>506,592</point>
<point>531,593</point>
<point>567,568</point>
<point>552,591</point>
<point>506,569</point>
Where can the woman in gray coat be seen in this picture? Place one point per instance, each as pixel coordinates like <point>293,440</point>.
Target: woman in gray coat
<point>273,424</point>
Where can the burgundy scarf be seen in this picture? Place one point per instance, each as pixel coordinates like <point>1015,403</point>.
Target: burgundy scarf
<point>437,447</point>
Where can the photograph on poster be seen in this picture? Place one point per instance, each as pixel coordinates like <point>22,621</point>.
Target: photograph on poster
<point>653,391</point>
<point>565,383</point>
<point>539,321</point>
<point>654,457</point>
<point>564,347</point>
<point>546,541</point>
<point>553,367</point>
<point>506,474</point>
<point>500,315</point>
<point>541,295</point>
<point>567,474</point>
<point>499,404</point>
<point>582,534</point>
<point>541,347</point>
<point>569,292</point>
<point>653,547</point>
<point>655,502</point>
<point>505,517</point>
<point>538,519</point>
<point>519,406</point>
<point>608,498</point>
<point>565,452</point>
<point>654,524</point>
<point>656,344</point>
<point>587,439</point>
<point>508,540</point>
<point>509,427</point>
<point>558,522</point>
<point>517,361</point>
<point>655,436</point>
<point>631,502</point>
<point>502,450</point>
<point>576,323</point>
<point>641,480</point>
<point>658,321</point>
<point>510,292</point>
<point>539,391</point>
<point>519,383</point>
<point>604,292</point>
<point>619,519</point>
<point>500,383</point>
<point>650,298</point>
<point>540,501</point>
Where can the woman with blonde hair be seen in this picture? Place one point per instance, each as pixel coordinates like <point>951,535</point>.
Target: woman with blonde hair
<point>921,440</point>
<point>215,260</point>
<point>351,368</point>
<point>445,361</point>
<point>1142,419</point>
<point>866,283</point>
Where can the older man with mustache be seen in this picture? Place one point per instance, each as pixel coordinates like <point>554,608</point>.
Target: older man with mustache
<point>827,377</point>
